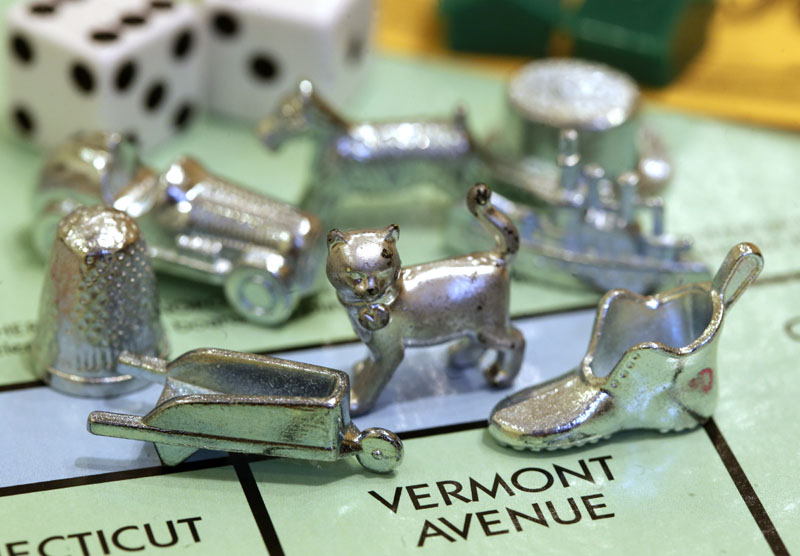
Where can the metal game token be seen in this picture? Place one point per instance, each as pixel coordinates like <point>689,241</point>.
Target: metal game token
<point>591,231</point>
<point>601,104</point>
<point>370,157</point>
<point>264,253</point>
<point>651,364</point>
<point>239,402</point>
<point>99,299</point>
<point>392,307</point>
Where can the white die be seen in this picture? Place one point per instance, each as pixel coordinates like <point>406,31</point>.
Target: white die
<point>260,49</point>
<point>134,66</point>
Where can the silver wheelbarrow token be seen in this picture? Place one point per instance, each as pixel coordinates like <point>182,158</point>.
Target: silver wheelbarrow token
<point>237,402</point>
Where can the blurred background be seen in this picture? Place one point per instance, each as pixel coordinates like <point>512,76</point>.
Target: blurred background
<point>737,59</point>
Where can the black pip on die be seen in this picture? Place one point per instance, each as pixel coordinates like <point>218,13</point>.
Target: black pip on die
<point>260,49</point>
<point>132,65</point>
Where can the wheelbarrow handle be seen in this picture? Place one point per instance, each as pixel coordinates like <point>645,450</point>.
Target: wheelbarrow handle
<point>740,268</point>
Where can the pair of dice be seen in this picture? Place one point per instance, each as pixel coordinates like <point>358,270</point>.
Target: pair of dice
<point>146,67</point>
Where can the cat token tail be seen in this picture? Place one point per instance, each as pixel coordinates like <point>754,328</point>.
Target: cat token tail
<point>504,231</point>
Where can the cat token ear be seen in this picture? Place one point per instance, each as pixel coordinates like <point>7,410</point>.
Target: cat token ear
<point>392,233</point>
<point>335,236</point>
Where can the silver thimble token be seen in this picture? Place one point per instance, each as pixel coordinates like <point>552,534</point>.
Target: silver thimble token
<point>99,299</point>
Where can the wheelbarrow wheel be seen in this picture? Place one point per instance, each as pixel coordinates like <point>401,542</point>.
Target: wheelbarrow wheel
<point>258,295</point>
<point>381,450</point>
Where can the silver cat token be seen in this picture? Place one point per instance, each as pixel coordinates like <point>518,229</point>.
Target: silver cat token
<point>393,307</point>
<point>239,402</point>
<point>651,364</point>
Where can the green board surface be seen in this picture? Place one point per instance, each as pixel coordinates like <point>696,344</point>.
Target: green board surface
<point>732,183</point>
<point>731,487</point>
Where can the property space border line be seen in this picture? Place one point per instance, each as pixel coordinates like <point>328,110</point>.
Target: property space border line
<point>257,506</point>
<point>241,465</point>
<point>317,345</point>
<point>763,281</point>
<point>21,385</point>
<point>231,459</point>
<point>113,476</point>
<point>745,488</point>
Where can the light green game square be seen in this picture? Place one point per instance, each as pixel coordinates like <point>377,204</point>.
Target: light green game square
<point>717,196</point>
<point>759,395</point>
<point>642,493</point>
<point>198,512</point>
